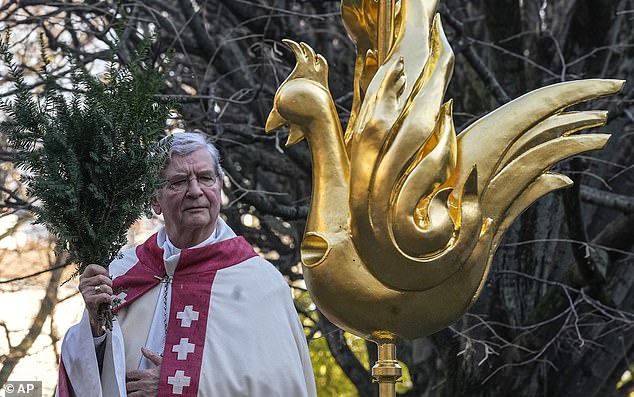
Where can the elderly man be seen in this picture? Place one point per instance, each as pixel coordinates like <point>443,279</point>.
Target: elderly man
<point>198,313</point>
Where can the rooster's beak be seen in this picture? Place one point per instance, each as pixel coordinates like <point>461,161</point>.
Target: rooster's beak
<point>275,120</point>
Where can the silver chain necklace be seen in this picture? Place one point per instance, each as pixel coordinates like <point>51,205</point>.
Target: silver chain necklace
<point>166,281</point>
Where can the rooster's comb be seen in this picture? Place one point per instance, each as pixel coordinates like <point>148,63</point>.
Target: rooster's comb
<point>309,65</point>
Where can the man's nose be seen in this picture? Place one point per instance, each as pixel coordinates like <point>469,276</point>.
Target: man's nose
<point>194,189</point>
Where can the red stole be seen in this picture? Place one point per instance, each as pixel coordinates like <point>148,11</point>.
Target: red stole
<point>189,308</point>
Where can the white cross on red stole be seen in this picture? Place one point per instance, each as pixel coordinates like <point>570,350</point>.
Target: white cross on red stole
<point>183,349</point>
<point>187,316</point>
<point>178,382</point>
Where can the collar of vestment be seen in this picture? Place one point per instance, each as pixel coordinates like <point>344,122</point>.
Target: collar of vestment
<point>194,262</point>
<point>189,308</point>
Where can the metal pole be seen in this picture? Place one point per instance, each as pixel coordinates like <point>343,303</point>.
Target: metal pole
<point>385,30</point>
<point>386,371</point>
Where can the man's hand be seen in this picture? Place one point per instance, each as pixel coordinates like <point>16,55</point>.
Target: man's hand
<point>145,382</point>
<point>96,288</point>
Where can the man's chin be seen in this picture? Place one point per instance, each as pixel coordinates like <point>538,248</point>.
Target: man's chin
<point>195,223</point>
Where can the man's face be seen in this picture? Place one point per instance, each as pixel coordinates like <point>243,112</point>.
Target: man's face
<point>190,209</point>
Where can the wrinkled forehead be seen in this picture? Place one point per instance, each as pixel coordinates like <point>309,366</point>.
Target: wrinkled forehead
<point>197,161</point>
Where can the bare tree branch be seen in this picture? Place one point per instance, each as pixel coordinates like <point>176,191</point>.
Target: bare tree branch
<point>610,200</point>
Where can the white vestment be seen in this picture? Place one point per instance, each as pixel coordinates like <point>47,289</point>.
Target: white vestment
<point>232,328</point>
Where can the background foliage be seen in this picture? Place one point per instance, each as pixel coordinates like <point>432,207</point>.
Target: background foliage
<point>555,317</point>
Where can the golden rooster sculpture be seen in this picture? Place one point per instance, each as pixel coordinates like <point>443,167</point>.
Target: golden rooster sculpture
<point>405,214</point>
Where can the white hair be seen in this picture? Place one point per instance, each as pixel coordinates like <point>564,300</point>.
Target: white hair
<point>184,143</point>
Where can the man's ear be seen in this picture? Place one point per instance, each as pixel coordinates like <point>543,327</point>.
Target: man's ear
<point>156,206</point>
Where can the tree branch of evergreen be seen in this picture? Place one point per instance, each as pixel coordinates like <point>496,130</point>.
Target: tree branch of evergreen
<point>93,157</point>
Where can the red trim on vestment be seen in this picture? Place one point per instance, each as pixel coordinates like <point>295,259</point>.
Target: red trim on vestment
<point>186,330</point>
<point>189,308</point>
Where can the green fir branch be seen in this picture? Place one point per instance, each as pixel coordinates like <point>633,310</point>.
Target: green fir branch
<point>91,157</point>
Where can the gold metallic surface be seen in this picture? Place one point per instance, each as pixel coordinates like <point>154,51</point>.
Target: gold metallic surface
<point>385,32</point>
<point>405,214</point>
<point>387,370</point>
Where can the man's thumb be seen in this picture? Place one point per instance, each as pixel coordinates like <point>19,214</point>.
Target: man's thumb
<point>155,358</point>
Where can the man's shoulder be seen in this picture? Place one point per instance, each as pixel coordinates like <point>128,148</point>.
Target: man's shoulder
<point>258,265</point>
<point>258,269</point>
<point>257,282</point>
